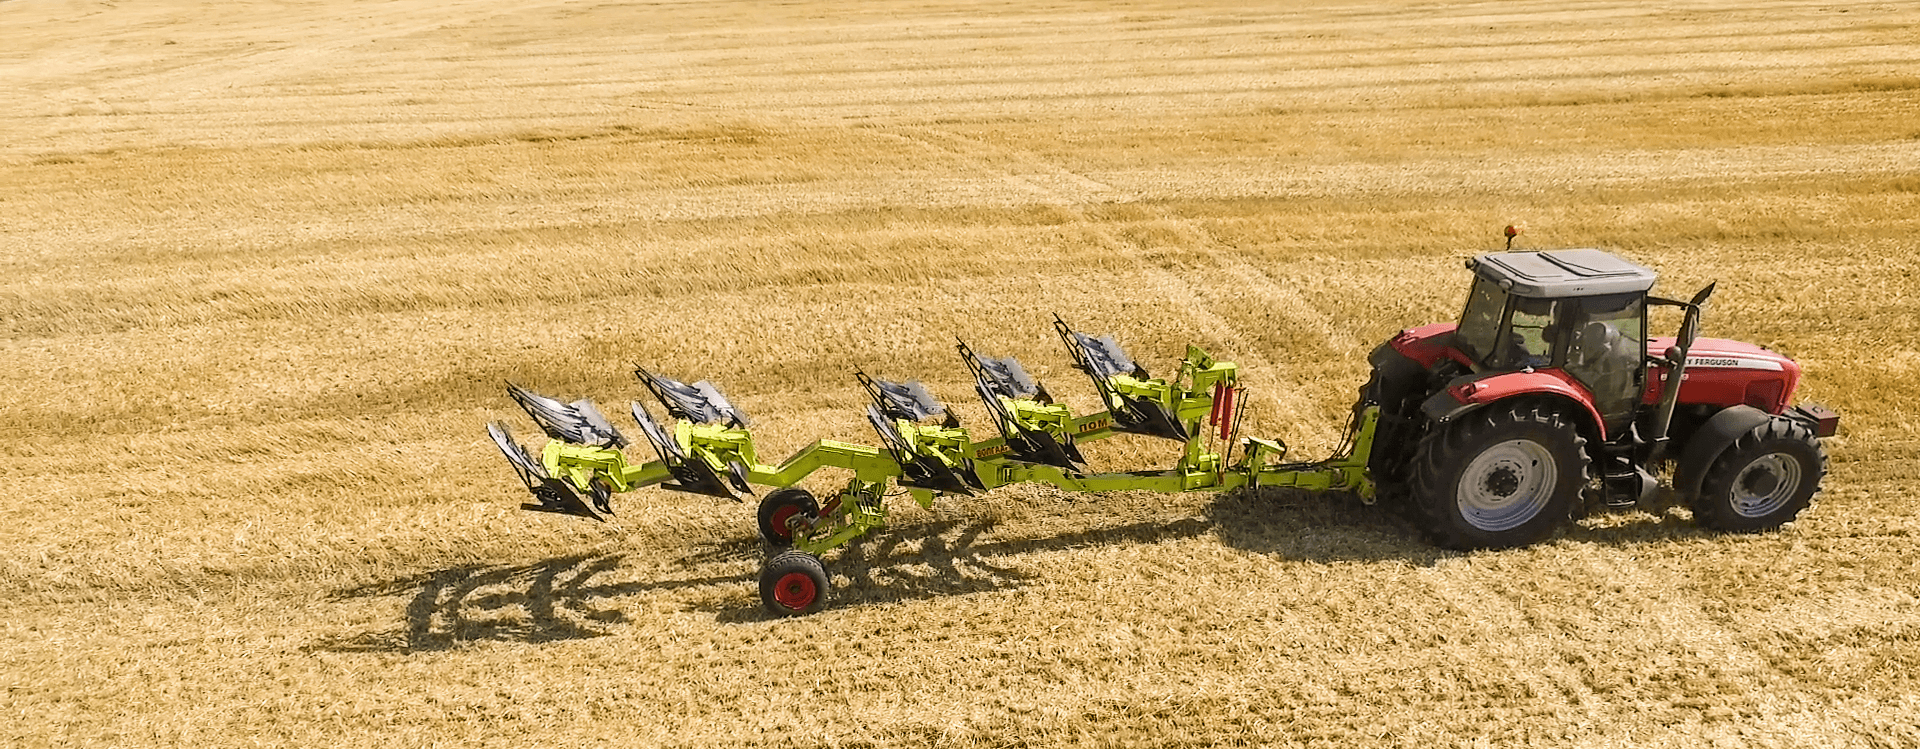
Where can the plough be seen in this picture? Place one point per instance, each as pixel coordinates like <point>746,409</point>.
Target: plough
<point>708,449</point>
<point>1547,399</point>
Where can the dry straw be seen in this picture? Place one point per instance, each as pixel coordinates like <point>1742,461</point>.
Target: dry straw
<point>267,267</point>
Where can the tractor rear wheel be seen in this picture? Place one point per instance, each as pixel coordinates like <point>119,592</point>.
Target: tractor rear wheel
<point>1507,475</point>
<point>1764,480</point>
<point>793,583</point>
<point>781,505</point>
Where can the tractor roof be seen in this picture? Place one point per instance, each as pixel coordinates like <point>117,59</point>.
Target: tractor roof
<point>1563,273</point>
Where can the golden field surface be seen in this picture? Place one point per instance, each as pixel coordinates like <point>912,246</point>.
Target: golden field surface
<point>267,266</point>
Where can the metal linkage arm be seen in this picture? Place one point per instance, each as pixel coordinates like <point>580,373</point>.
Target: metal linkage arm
<point>1345,470</point>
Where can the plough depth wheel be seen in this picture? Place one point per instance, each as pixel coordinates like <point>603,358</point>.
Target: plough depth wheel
<point>781,506</point>
<point>793,583</point>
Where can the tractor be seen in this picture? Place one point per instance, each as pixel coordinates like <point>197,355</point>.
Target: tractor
<point>1548,399</point>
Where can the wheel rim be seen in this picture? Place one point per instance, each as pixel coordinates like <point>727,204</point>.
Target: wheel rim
<point>1507,485</point>
<point>780,518</point>
<point>1766,485</point>
<point>795,590</point>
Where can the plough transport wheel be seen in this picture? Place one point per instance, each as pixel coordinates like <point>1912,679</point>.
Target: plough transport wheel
<point>793,583</point>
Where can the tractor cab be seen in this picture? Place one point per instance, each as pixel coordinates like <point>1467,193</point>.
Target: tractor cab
<point>1583,312</point>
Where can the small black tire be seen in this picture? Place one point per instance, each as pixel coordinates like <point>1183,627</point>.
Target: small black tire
<point>1763,481</point>
<point>1505,476</point>
<point>793,583</point>
<point>780,505</point>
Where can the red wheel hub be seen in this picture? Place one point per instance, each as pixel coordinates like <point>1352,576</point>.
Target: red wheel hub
<point>780,518</point>
<point>795,591</point>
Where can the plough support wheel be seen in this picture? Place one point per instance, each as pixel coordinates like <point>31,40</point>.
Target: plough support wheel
<point>793,583</point>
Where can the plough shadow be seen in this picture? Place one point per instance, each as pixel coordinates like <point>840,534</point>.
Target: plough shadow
<point>546,601</point>
<point>560,598</point>
<point>946,558</point>
<point>566,598</point>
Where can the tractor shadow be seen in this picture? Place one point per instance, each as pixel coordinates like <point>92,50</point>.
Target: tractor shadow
<point>1322,528</point>
<point>1317,527</point>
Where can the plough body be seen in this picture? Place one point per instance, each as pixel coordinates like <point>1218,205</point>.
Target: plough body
<point>924,451</point>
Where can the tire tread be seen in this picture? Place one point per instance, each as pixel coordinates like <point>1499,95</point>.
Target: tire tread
<point>1447,445</point>
<point>1710,506</point>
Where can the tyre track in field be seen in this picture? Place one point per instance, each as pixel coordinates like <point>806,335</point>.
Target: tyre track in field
<point>1545,646</point>
<point>1019,171</point>
<point>1535,644</point>
<point>1548,655</point>
<point>319,39</point>
<point>1051,184</point>
<point>1543,666</point>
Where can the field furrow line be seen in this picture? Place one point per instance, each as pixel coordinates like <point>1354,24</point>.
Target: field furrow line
<point>1513,642</point>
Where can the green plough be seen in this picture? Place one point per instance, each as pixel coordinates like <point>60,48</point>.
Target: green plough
<point>708,449</point>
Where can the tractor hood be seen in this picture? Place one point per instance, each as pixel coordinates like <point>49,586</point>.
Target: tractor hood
<point>1725,373</point>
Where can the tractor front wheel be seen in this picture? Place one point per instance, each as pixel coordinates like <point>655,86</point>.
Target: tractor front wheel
<point>1763,480</point>
<point>1505,476</point>
<point>793,583</point>
<point>780,506</point>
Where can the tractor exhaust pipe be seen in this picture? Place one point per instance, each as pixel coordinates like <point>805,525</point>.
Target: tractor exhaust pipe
<point>1677,367</point>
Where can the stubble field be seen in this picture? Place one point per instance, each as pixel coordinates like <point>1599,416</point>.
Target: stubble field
<point>267,265</point>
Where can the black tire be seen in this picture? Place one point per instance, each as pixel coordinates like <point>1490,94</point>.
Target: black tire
<point>1505,476</point>
<point>793,583</point>
<point>1387,462</point>
<point>1764,480</point>
<point>779,505</point>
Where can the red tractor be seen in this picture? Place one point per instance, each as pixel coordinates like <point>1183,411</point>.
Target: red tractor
<point>1549,398</point>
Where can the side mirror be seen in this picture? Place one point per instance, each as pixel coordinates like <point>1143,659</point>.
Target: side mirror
<point>1674,355</point>
<point>1700,298</point>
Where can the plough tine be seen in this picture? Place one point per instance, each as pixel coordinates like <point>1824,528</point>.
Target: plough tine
<point>669,451</point>
<point>690,474</point>
<point>1103,360</point>
<point>556,497</point>
<point>1001,381</point>
<point>530,471</point>
<point>700,403</point>
<point>553,494</point>
<point>883,426</point>
<point>910,402</point>
<point>578,422</point>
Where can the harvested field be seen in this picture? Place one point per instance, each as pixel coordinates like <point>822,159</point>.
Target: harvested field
<point>266,266</point>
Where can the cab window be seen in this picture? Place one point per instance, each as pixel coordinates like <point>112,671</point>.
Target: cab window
<point>1533,335</point>
<point>1479,333</point>
<point>1608,352</point>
